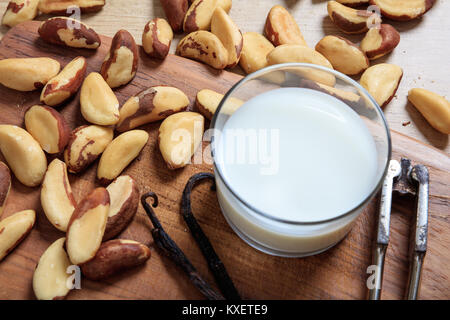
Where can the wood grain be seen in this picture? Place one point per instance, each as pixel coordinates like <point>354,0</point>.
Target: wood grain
<point>339,273</point>
<point>422,52</point>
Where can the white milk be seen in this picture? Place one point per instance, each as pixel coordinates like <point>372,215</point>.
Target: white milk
<point>303,156</point>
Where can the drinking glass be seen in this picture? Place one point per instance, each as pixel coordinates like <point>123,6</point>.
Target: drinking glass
<point>289,238</point>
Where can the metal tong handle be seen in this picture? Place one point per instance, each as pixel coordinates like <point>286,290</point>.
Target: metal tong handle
<point>379,253</point>
<point>419,246</point>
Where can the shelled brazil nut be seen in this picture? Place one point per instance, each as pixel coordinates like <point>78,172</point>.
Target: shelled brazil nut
<point>23,154</point>
<point>199,14</point>
<point>149,105</point>
<point>50,276</point>
<point>19,11</point>
<point>56,134</point>
<point>382,81</point>
<point>119,154</point>
<point>65,84</point>
<point>121,62</point>
<point>380,41</point>
<point>348,19</point>
<point>229,33</point>
<point>86,144</point>
<point>179,137</point>
<point>99,104</point>
<point>403,10</point>
<point>207,102</point>
<point>175,11</point>
<point>87,226</point>
<point>344,55</point>
<point>254,52</point>
<point>27,74</point>
<point>281,27</point>
<point>156,38</point>
<point>57,198</point>
<point>14,229</point>
<point>60,7</point>
<point>115,256</point>
<point>124,199</point>
<point>434,107</point>
<point>297,53</point>
<point>204,46</point>
<point>69,32</point>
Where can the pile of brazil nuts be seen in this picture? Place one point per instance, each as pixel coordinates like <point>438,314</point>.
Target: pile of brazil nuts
<point>112,136</point>
<point>19,11</point>
<point>214,38</point>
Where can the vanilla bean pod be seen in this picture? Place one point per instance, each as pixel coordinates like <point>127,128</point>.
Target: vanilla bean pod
<point>216,266</point>
<point>170,248</point>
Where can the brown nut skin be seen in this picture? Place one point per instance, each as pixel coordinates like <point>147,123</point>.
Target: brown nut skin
<point>115,256</point>
<point>120,64</point>
<point>86,144</point>
<point>69,32</point>
<point>57,199</point>
<point>230,35</point>
<point>403,10</point>
<point>434,108</point>
<point>56,134</point>
<point>19,11</point>
<point>65,84</point>
<point>87,226</point>
<point>50,276</point>
<point>343,54</point>
<point>380,41</point>
<point>14,229</point>
<point>199,14</point>
<point>124,196</point>
<point>254,52</point>
<point>348,19</point>
<point>353,3</point>
<point>27,74</point>
<point>150,105</point>
<point>175,11</point>
<point>23,154</point>
<point>60,7</point>
<point>5,185</point>
<point>156,38</point>
<point>204,46</point>
<point>281,28</point>
<point>382,81</point>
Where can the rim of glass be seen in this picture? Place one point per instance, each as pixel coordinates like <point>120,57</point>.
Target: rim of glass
<point>343,77</point>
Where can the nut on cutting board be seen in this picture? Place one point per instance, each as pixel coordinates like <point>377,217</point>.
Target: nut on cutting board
<point>24,155</point>
<point>86,144</point>
<point>27,74</point>
<point>87,226</point>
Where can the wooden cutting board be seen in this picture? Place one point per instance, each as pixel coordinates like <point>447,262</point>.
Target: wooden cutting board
<point>339,273</point>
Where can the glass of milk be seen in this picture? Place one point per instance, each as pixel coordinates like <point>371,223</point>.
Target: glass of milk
<point>300,158</point>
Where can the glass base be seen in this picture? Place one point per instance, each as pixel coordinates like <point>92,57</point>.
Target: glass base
<point>260,247</point>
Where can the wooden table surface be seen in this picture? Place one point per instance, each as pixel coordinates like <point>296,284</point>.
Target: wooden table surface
<point>423,52</point>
